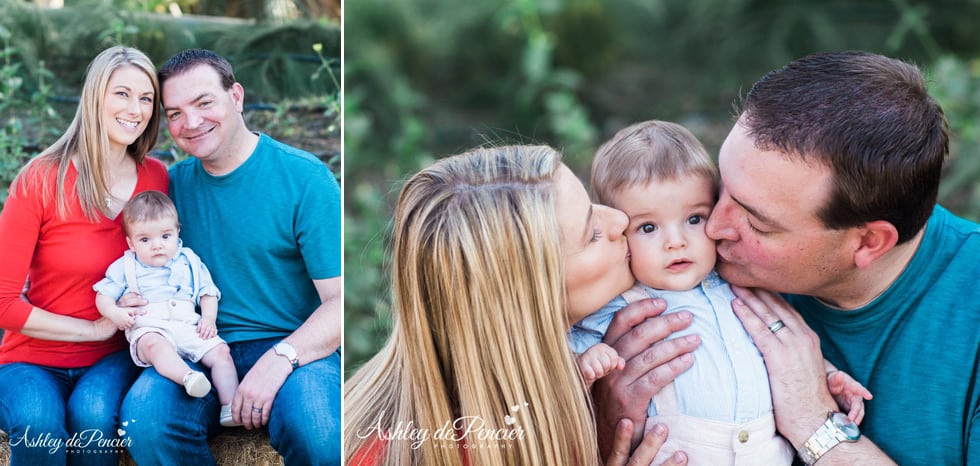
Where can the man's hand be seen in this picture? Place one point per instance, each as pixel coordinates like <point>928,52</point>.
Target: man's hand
<point>800,397</point>
<point>253,400</point>
<point>638,334</point>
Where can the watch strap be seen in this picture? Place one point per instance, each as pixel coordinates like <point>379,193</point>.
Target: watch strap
<point>287,351</point>
<point>823,440</point>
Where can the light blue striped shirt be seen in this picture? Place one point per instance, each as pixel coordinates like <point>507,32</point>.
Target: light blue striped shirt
<point>728,381</point>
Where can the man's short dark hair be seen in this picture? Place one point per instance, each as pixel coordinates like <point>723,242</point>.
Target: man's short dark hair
<point>870,120</point>
<point>190,58</point>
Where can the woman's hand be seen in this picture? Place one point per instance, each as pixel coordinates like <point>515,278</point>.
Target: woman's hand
<point>646,452</point>
<point>103,329</point>
<point>133,302</point>
<point>638,333</point>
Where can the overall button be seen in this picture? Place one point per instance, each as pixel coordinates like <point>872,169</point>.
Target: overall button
<point>743,436</point>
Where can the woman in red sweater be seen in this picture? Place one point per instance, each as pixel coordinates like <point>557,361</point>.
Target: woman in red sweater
<point>495,253</point>
<point>64,367</point>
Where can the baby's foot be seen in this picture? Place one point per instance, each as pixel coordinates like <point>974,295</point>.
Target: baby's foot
<point>226,419</point>
<point>196,384</point>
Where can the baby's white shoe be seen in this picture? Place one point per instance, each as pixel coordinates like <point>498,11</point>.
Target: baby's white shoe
<point>196,384</point>
<point>226,419</point>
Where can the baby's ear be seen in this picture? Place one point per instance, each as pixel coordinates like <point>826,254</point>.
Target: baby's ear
<point>129,243</point>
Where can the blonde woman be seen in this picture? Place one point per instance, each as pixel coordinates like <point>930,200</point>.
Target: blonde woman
<point>496,252</point>
<point>59,229</point>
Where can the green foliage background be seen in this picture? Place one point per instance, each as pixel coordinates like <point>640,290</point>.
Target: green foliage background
<point>427,78</point>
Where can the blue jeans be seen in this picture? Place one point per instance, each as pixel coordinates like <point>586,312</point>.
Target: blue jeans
<point>65,416</point>
<point>170,427</point>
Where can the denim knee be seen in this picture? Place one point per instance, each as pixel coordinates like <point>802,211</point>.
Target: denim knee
<point>95,399</point>
<point>32,412</point>
<point>167,426</point>
<point>305,421</point>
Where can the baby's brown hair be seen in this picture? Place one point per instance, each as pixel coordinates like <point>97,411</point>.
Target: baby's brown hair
<point>645,152</point>
<point>147,206</point>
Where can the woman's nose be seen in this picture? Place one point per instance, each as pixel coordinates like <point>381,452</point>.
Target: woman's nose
<point>617,221</point>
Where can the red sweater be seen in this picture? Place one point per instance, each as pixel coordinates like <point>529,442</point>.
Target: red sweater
<point>372,452</point>
<point>64,258</point>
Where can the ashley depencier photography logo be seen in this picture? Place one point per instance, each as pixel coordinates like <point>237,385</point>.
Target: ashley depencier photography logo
<point>462,432</point>
<point>86,441</point>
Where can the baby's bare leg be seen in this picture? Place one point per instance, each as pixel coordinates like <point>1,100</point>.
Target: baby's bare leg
<point>223,373</point>
<point>154,349</point>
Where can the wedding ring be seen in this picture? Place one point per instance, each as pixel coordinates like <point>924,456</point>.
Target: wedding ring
<point>256,410</point>
<point>775,326</point>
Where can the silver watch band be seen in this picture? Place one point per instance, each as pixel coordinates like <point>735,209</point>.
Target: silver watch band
<point>823,440</point>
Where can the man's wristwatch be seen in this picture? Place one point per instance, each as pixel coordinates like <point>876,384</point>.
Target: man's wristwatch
<point>836,429</point>
<point>287,351</point>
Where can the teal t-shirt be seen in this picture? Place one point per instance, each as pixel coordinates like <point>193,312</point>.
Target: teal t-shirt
<point>917,348</point>
<point>266,231</point>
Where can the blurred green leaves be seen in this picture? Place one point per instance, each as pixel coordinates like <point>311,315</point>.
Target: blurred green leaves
<point>955,83</point>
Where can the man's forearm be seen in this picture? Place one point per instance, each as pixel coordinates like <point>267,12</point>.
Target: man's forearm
<point>319,336</point>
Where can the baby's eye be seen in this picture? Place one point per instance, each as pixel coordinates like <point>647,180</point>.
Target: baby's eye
<point>648,228</point>
<point>166,236</point>
<point>695,219</point>
<point>596,235</point>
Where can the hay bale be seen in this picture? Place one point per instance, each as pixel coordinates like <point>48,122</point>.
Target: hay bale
<point>237,447</point>
<point>234,447</point>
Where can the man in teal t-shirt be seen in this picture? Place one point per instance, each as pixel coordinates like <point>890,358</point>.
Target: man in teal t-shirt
<point>265,217</point>
<point>830,179</point>
<point>915,346</point>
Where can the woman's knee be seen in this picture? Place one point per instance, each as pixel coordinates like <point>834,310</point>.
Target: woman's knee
<point>34,404</point>
<point>91,412</point>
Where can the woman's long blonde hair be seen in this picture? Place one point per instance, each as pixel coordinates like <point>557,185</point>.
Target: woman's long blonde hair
<point>86,138</point>
<point>479,327</point>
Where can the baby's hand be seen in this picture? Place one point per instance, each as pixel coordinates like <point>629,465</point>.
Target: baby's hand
<point>849,394</point>
<point>206,328</point>
<point>121,318</point>
<point>598,361</point>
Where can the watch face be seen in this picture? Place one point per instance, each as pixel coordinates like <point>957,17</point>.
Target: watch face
<point>284,350</point>
<point>844,423</point>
